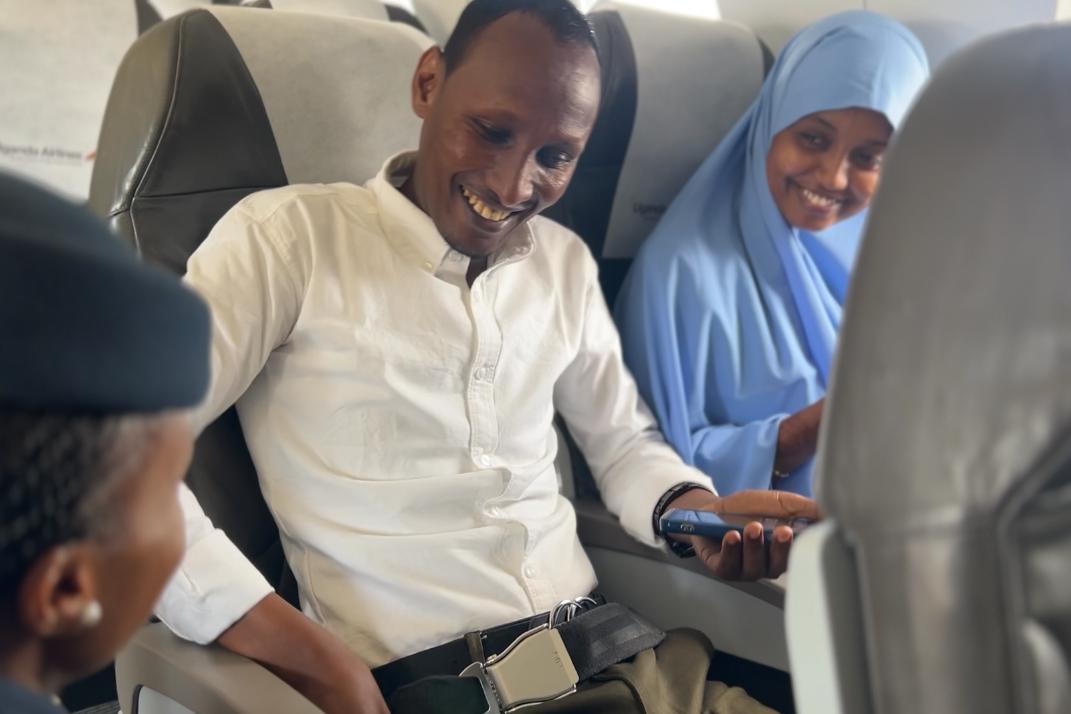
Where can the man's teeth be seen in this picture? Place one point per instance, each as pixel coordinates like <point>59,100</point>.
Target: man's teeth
<point>482,208</point>
<point>818,200</point>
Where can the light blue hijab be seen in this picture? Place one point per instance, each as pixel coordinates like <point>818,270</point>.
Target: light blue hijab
<point>729,315</point>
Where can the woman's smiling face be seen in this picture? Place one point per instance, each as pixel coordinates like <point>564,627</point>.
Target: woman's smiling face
<point>825,167</point>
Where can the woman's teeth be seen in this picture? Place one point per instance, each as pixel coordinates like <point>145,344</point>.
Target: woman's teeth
<point>482,208</point>
<point>817,200</point>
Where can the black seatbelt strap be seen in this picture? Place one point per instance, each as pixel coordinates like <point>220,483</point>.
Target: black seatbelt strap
<point>594,640</point>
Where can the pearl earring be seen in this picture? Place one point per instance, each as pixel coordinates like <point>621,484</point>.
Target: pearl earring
<point>91,615</point>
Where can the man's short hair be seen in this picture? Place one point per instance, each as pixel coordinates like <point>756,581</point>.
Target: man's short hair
<point>562,18</point>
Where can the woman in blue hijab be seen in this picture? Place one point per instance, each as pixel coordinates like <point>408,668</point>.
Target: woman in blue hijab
<point>729,315</point>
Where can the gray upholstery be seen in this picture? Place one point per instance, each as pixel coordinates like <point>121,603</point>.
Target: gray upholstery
<point>673,86</point>
<point>946,452</point>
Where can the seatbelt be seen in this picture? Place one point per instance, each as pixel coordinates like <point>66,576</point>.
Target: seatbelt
<point>543,664</point>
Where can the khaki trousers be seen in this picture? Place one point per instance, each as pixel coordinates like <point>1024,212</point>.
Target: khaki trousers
<point>669,679</point>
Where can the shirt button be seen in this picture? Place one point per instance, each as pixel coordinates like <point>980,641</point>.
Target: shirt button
<point>529,571</point>
<point>428,266</point>
<point>484,460</point>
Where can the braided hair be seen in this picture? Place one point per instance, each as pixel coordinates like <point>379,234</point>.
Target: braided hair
<point>56,473</point>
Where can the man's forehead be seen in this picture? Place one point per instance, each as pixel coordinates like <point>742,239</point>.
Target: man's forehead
<point>523,42</point>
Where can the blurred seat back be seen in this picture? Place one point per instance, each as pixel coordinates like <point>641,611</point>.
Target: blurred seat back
<point>205,110</point>
<point>945,461</point>
<point>673,86</point>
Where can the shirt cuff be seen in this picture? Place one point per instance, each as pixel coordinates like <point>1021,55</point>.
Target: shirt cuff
<point>644,496</point>
<point>214,587</point>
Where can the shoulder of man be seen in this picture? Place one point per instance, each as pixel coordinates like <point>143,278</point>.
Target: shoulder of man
<point>300,198</point>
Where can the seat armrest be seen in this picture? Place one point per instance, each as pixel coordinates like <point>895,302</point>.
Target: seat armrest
<point>204,679</point>
<point>598,528</point>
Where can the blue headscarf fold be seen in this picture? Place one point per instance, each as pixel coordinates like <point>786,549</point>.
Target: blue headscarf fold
<point>729,315</point>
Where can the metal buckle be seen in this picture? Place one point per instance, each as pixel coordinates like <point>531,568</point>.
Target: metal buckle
<point>534,669</point>
<point>568,609</point>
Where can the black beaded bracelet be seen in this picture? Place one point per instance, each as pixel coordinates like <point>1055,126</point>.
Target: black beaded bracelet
<point>683,550</point>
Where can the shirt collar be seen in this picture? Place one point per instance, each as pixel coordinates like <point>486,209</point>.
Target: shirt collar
<point>413,231</point>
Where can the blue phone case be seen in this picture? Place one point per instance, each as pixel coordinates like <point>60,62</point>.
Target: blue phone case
<point>713,526</point>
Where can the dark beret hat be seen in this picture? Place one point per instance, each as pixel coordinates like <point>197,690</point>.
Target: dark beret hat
<point>84,325</point>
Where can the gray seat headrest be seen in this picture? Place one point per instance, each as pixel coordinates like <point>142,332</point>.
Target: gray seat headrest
<point>673,86</point>
<point>206,108</point>
<point>946,452</point>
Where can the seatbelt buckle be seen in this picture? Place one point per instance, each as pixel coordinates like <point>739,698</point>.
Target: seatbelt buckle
<point>535,668</point>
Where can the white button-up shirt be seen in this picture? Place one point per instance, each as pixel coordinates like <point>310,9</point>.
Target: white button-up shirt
<point>401,421</point>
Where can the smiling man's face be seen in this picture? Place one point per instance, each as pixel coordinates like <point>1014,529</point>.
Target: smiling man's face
<point>502,130</point>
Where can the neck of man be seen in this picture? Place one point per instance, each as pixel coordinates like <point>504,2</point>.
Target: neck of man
<point>476,264</point>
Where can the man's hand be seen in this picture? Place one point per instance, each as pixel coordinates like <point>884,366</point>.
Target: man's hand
<point>306,656</point>
<point>748,558</point>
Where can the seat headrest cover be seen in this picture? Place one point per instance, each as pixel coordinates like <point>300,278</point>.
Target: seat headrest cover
<point>206,108</point>
<point>370,9</point>
<point>694,79</point>
<point>85,326</point>
<point>341,107</point>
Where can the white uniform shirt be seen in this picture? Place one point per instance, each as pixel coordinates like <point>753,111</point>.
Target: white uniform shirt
<point>401,423</point>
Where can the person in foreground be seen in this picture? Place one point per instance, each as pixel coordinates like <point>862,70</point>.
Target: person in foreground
<point>397,352</point>
<point>95,384</point>
<point>729,314</point>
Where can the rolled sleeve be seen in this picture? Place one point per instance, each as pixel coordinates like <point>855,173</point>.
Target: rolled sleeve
<point>214,586</point>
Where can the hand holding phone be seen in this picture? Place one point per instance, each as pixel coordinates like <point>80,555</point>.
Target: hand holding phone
<point>716,525</point>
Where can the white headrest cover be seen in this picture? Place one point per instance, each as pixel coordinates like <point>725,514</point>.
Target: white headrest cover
<point>695,78</point>
<point>340,106</point>
<point>58,61</point>
<point>370,9</point>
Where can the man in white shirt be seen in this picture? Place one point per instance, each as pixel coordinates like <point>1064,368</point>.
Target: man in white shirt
<point>398,351</point>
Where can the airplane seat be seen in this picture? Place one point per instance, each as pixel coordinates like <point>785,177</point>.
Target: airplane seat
<point>673,86</point>
<point>205,110</point>
<point>939,581</point>
<point>369,9</point>
<point>439,17</point>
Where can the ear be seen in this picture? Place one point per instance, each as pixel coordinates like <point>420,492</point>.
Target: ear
<point>428,81</point>
<point>58,596</point>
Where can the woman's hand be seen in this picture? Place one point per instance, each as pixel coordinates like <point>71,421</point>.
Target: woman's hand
<point>797,438</point>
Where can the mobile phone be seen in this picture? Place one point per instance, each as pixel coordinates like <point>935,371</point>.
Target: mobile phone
<point>716,525</point>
